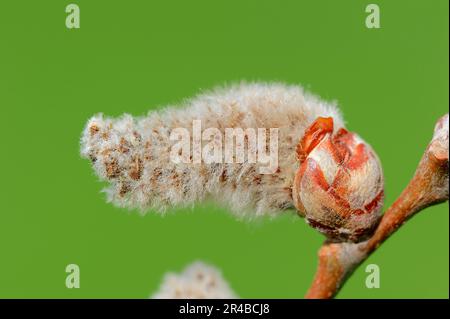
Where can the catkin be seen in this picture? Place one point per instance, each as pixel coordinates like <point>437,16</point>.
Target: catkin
<point>133,153</point>
<point>197,281</point>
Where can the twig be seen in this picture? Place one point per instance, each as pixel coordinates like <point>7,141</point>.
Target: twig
<point>429,186</point>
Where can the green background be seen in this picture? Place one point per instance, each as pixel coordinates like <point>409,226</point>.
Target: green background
<point>132,56</point>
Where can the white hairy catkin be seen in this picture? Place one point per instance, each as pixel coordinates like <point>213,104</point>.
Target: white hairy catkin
<point>133,153</point>
<point>197,281</point>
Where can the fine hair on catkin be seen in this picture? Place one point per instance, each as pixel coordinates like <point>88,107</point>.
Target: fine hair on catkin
<point>133,153</point>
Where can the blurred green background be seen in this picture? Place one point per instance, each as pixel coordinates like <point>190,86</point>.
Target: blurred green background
<point>132,56</point>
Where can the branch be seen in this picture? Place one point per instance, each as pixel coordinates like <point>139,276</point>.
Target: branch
<point>429,186</point>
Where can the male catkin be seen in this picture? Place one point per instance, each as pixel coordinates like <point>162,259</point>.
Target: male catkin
<point>133,155</point>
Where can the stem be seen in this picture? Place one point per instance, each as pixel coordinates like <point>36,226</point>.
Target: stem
<point>429,186</point>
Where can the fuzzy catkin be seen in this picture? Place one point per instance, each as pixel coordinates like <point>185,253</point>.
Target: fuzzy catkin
<point>133,153</point>
<point>196,281</point>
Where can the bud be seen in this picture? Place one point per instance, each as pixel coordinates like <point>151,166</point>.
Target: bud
<point>338,187</point>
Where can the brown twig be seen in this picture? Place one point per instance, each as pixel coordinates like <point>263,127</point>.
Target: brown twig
<point>429,186</point>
